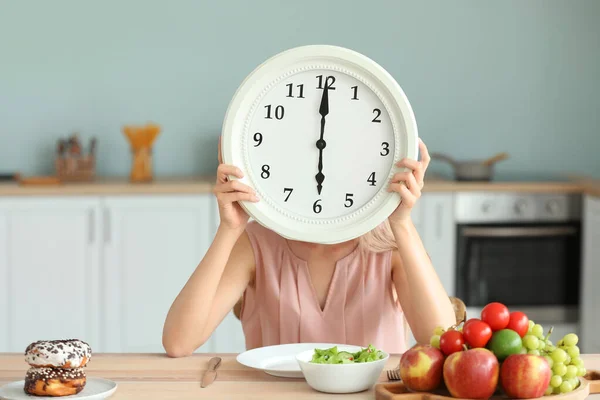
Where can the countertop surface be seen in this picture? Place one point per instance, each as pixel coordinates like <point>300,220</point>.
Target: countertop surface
<point>155,376</point>
<point>204,184</point>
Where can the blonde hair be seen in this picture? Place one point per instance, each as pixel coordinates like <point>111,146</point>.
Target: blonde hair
<point>379,240</point>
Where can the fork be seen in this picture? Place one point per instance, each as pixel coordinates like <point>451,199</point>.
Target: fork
<point>393,374</point>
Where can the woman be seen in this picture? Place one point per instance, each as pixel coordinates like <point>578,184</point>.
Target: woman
<point>358,292</point>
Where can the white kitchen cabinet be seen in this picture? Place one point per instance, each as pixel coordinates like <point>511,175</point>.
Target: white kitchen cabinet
<point>439,235</point>
<point>151,247</point>
<point>49,270</point>
<point>590,297</point>
<point>433,217</point>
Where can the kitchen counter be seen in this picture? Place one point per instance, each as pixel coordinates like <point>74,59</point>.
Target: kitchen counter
<point>155,376</point>
<point>107,187</point>
<point>200,185</point>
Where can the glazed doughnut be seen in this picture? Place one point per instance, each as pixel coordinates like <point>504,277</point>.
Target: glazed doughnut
<point>54,381</point>
<point>71,353</point>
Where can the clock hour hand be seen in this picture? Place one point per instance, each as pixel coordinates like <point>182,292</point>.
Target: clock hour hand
<point>323,110</point>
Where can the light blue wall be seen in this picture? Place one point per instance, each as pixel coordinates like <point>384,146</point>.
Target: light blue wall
<point>482,76</point>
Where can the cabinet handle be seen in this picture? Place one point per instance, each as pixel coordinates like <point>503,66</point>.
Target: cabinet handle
<point>106,226</point>
<point>439,214</point>
<point>92,227</point>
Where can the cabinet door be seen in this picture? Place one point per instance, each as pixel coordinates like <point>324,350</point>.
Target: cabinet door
<point>590,298</point>
<point>439,236</point>
<point>152,246</point>
<point>433,217</point>
<point>49,273</point>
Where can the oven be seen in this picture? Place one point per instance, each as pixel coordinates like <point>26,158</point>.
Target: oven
<point>523,250</point>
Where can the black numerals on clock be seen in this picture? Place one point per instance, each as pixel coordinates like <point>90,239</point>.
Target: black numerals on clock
<point>258,139</point>
<point>385,149</point>
<point>377,113</point>
<point>328,81</point>
<point>278,112</point>
<point>349,202</point>
<point>354,92</point>
<point>317,208</point>
<point>287,191</point>
<point>266,171</point>
<point>371,179</point>
<point>291,91</point>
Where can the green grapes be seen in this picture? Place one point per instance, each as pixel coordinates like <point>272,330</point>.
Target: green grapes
<point>573,351</point>
<point>556,381</point>
<point>556,390</point>
<point>570,339</point>
<point>563,358</point>
<point>559,369</point>
<point>438,331</point>
<point>571,372</point>
<point>566,387</point>
<point>576,361</point>
<point>574,382</point>
<point>559,355</point>
<point>541,345</point>
<point>538,331</point>
<point>531,342</point>
<point>435,341</point>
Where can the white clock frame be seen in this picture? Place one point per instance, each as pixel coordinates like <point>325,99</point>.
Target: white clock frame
<point>259,82</point>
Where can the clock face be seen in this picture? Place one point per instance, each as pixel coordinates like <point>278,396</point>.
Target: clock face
<point>320,174</point>
<point>317,131</point>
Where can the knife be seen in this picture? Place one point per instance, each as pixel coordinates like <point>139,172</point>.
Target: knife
<point>211,373</point>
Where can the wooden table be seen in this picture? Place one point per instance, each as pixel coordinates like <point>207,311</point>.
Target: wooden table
<point>155,376</point>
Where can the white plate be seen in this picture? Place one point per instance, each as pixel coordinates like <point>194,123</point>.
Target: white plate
<point>95,389</point>
<point>279,360</point>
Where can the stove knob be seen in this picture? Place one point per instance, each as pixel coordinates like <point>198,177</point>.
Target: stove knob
<point>520,207</point>
<point>486,207</point>
<point>552,207</point>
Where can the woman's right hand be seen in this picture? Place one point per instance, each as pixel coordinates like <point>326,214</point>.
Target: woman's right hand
<point>229,192</point>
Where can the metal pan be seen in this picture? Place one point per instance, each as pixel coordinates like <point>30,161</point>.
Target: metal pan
<point>472,170</point>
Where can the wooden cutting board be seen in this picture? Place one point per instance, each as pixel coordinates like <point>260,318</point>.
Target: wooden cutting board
<point>590,384</point>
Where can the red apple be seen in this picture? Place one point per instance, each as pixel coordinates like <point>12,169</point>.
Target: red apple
<point>525,376</point>
<point>472,374</point>
<point>421,368</point>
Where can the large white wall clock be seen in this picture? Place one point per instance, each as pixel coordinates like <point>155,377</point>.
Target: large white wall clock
<point>317,131</point>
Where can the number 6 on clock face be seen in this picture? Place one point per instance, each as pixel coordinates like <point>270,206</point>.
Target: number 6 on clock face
<point>317,131</point>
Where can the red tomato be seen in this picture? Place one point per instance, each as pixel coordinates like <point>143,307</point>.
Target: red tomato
<point>496,315</point>
<point>518,323</point>
<point>451,342</point>
<point>476,332</point>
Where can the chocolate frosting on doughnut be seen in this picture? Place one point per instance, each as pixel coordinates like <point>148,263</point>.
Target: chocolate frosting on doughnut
<point>54,381</point>
<point>70,353</point>
<point>45,374</point>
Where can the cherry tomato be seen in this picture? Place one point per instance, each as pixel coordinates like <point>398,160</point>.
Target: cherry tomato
<point>476,332</point>
<point>496,315</point>
<point>518,322</point>
<point>451,342</point>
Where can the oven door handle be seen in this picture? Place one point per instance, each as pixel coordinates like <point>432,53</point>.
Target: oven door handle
<point>519,231</point>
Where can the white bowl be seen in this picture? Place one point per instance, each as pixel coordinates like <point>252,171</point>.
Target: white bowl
<point>341,378</point>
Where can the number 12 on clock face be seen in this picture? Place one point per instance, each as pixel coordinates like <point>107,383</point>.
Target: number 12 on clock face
<point>321,143</point>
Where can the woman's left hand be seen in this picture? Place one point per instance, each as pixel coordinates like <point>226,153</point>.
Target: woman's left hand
<point>409,184</point>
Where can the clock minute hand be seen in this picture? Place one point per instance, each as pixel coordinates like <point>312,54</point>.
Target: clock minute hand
<point>323,110</point>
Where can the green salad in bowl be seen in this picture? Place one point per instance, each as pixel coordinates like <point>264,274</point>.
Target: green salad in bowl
<point>340,368</point>
<point>335,356</point>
